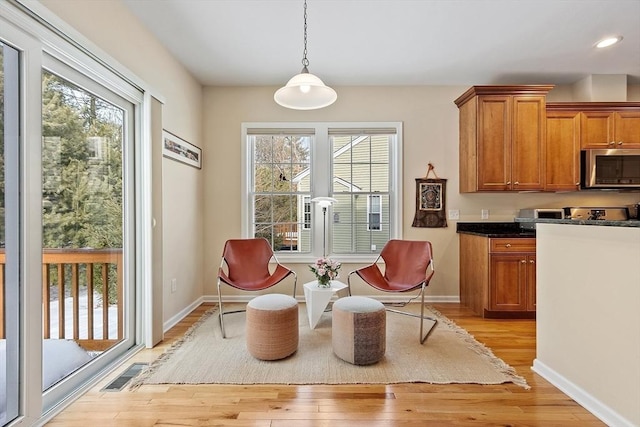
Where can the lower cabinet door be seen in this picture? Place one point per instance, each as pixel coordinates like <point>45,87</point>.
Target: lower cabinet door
<point>508,282</point>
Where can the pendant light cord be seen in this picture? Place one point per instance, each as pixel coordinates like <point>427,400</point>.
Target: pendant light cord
<point>305,61</point>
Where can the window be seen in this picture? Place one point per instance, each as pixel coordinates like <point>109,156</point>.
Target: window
<point>95,147</point>
<point>287,165</point>
<point>363,184</point>
<point>306,212</point>
<point>374,213</point>
<point>280,169</point>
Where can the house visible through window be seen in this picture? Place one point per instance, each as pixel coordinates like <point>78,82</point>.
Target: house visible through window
<point>363,184</point>
<point>357,164</point>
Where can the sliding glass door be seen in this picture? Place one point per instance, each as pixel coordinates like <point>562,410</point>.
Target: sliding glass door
<point>70,132</point>
<point>87,224</point>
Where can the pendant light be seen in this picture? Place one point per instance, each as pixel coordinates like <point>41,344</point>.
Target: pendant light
<point>305,91</point>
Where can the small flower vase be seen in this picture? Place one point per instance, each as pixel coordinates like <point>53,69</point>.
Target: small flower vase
<point>324,282</point>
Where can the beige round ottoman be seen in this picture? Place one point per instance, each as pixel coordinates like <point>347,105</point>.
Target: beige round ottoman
<point>359,330</point>
<point>272,326</point>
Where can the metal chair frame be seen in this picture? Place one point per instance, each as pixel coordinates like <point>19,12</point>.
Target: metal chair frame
<point>422,285</point>
<point>220,281</point>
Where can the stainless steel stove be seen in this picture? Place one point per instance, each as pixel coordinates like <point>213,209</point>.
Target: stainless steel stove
<point>597,213</point>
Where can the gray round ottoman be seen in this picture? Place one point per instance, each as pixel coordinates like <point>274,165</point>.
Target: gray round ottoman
<point>272,326</point>
<point>359,330</point>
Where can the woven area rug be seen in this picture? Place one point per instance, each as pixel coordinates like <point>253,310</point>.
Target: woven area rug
<point>450,355</point>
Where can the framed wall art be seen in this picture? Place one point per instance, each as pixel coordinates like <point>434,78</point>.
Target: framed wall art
<point>176,148</point>
<point>430,201</point>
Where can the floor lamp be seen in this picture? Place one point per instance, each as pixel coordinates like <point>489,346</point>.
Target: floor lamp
<point>324,203</point>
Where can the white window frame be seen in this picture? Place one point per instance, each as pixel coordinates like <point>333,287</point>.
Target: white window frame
<point>321,183</point>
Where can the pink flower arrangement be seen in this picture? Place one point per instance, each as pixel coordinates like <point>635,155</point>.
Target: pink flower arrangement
<point>325,270</point>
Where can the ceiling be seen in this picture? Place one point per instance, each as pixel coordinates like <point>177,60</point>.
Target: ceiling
<point>397,42</point>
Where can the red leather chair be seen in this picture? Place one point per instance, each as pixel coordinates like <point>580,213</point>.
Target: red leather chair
<point>408,267</point>
<point>247,262</point>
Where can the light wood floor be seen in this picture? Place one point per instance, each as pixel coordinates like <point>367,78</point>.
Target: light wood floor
<point>343,405</point>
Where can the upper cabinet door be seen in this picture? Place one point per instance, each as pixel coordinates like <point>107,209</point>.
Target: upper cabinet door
<point>610,129</point>
<point>627,129</point>
<point>494,142</point>
<point>597,129</point>
<point>511,133</point>
<point>562,151</point>
<point>527,144</point>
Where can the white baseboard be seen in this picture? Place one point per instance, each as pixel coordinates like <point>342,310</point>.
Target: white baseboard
<point>583,398</point>
<point>382,298</point>
<point>170,323</point>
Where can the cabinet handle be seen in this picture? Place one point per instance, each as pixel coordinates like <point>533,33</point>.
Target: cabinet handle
<point>516,183</point>
<point>524,261</point>
<point>620,143</point>
<point>612,143</point>
<point>531,261</point>
<point>577,184</point>
<point>508,182</point>
<point>508,245</point>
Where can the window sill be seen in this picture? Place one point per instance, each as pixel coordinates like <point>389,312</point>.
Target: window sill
<point>344,259</point>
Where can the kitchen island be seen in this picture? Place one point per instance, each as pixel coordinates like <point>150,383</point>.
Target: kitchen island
<point>588,314</point>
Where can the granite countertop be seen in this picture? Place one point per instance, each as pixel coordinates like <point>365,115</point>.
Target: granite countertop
<point>494,229</point>
<point>602,222</point>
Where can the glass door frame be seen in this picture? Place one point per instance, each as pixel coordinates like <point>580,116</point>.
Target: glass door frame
<point>22,28</point>
<point>28,258</point>
<point>11,297</point>
<point>69,385</point>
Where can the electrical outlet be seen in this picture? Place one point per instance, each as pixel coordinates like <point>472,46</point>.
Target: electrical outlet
<point>373,247</point>
<point>174,285</point>
<point>484,214</point>
<point>454,214</point>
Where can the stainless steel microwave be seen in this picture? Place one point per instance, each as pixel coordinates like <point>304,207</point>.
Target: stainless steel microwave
<point>610,168</point>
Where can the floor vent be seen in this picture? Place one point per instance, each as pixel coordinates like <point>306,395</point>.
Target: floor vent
<point>119,383</point>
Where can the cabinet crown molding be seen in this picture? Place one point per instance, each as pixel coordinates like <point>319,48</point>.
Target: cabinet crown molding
<point>592,106</point>
<point>503,90</point>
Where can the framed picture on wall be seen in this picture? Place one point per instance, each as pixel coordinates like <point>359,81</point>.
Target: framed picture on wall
<point>430,196</point>
<point>430,203</point>
<point>176,148</point>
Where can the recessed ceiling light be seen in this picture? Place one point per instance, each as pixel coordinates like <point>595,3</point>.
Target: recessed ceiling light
<point>606,42</point>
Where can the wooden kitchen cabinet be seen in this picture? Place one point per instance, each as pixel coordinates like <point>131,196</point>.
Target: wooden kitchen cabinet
<point>610,129</point>
<point>604,125</point>
<point>502,137</point>
<point>498,276</point>
<point>562,151</point>
<point>512,283</point>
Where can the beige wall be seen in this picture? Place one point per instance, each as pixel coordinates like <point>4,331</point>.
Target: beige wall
<point>430,120</point>
<point>201,209</point>
<point>588,322</point>
<point>112,28</point>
